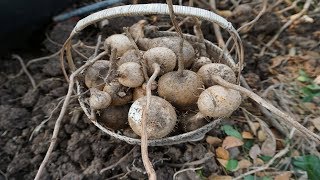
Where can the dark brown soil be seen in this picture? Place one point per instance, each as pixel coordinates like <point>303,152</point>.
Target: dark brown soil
<point>82,149</point>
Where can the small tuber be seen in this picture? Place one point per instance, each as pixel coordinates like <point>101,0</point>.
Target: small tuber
<point>217,101</point>
<point>207,71</point>
<point>95,74</point>
<point>99,99</point>
<point>130,74</point>
<point>118,41</point>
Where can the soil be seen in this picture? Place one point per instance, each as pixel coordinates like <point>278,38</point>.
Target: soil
<point>82,149</point>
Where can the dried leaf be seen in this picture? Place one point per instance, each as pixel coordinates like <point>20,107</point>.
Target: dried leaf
<point>215,177</point>
<point>258,162</point>
<point>223,162</point>
<point>262,136</point>
<point>247,135</point>
<point>283,176</point>
<point>316,123</point>
<point>214,141</point>
<point>244,164</point>
<point>222,153</point>
<point>255,151</point>
<point>225,13</point>
<point>230,142</point>
<point>317,80</point>
<point>268,147</point>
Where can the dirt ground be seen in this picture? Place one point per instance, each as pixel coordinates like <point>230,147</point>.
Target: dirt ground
<point>83,150</point>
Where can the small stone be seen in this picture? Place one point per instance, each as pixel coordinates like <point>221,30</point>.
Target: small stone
<point>262,136</point>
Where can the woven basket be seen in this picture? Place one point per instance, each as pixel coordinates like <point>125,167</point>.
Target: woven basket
<point>148,9</point>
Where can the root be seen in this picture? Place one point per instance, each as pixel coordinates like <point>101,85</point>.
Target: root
<point>178,29</point>
<point>25,70</point>
<point>288,119</point>
<point>144,136</point>
<point>143,62</point>
<point>63,111</point>
<point>217,31</point>
<point>184,170</point>
<point>120,160</point>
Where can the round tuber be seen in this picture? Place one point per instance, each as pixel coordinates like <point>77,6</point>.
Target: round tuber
<point>172,43</point>
<point>99,99</point>
<point>161,117</point>
<point>199,62</point>
<point>207,71</point>
<point>130,74</point>
<point>114,117</point>
<point>95,74</point>
<point>118,41</point>
<point>217,101</point>
<point>182,90</point>
<point>163,56</point>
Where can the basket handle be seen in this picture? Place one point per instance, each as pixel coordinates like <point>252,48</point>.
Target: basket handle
<point>148,9</point>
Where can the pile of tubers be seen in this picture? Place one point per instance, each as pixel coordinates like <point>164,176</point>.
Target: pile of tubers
<point>184,95</point>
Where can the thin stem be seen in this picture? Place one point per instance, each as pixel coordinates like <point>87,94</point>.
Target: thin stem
<point>144,135</point>
<point>25,70</point>
<point>113,65</point>
<point>288,119</point>
<point>63,111</point>
<point>178,29</point>
<point>143,62</point>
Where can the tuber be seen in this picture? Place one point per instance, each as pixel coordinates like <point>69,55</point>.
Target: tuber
<point>161,117</point>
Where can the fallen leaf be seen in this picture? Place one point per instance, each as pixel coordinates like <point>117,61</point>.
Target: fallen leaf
<point>232,165</point>
<point>246,135</point>
<point>215,177</point>
<point>225,13</point>
<point>230,142</point>
<point>255,151</point>
<point>283,176</point>
<point>262,136</point>
<point>244,164</point>
<point>222,153</point>
<point>258,162</point>
<point>223,162</point>
<point>214,141</point>
<point>316,123</point>
<point>268,147</point>
<point>294,153</point>
<point>317,80</point>
<point>254,126</point>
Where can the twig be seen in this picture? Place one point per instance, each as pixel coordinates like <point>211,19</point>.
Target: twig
<point>262,11</point>
<point>292,6</point>
<point>119,161</point>
<point>286,25</point>
<point>275,157</point>
<point>96,49</point>
<point>63,111</point>
<point>184,170</point>
<point>193,163</point>
<point>144,135</point>
<point>216,28</point>
<point>178,29</point>
<point>180,23</point>
<point>113,66</point>
<point>199,34</point>
<point>288,119</point>
<point>24,68</point>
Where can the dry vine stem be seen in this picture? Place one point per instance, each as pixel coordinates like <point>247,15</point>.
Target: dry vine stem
<point>288,119</point>
<point>63,111</point>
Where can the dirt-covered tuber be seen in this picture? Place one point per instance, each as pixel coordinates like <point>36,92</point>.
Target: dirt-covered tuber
<point>161,117</point>
<point>163,56</point>
<point>99,99</point>
<point>217,101</point>
<point>172,43</point>
<point>95,74</point>
<point>207,71</point>
<point>120,94</point>
<point>182,90</point>
<point>114,117</point>
<point>130,74</point>
<point>118,41</point>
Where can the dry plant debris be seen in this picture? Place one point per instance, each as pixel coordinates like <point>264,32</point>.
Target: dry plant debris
<point>150,84</point>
